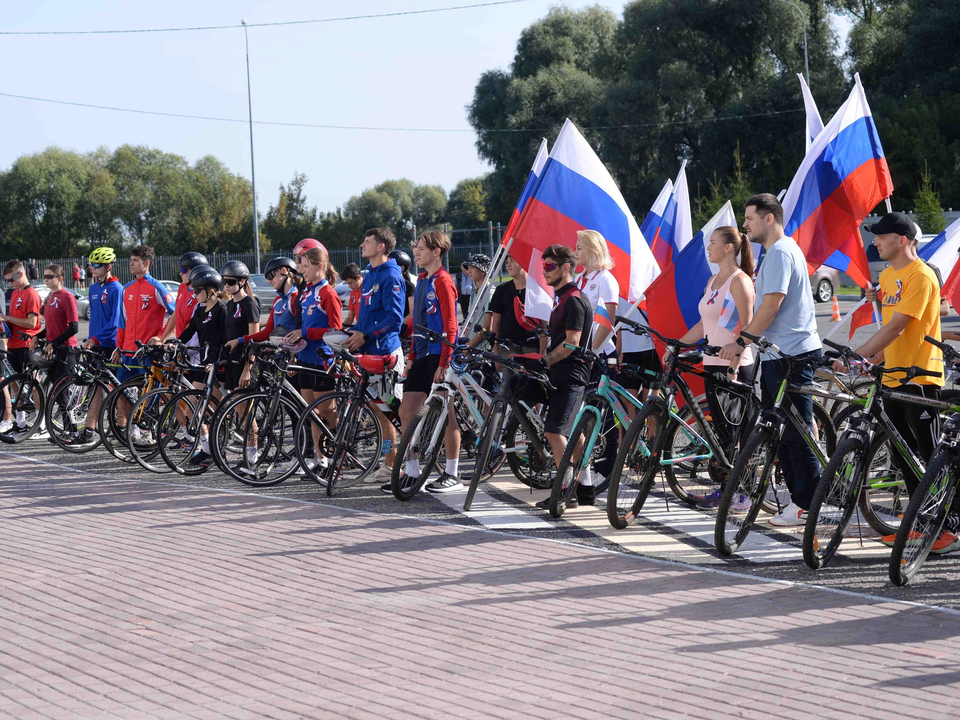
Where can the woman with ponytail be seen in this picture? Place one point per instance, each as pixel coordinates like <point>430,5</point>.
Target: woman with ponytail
<point>725,307</point>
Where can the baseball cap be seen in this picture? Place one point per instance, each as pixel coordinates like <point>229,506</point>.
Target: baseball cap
<point>479,261</point>
<point>894,222</point>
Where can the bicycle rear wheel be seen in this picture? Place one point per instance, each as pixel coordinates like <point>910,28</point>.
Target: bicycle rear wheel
<point>637,464</point>
<point>489,436</point>
<point>67,411</point>
<point>113,434</point>
<point>532,468</point>
<point>27,403</point>
<point>884,497</point>
<point>418,444</point>
<point>574,459</point>
<point>179,432</point>
<point>745,490</point>
<point>833,504</point>
<point>693,480</point>
<point>146,415</point>
<point>924,517</point>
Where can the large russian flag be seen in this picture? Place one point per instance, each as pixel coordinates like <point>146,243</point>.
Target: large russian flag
<point>576,192</point>
<point>943,250</point>
<point>841,179</point>
<point>653,219</point>
<point>676,226</point>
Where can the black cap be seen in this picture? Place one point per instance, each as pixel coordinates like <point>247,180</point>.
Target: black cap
<point>894,223</point>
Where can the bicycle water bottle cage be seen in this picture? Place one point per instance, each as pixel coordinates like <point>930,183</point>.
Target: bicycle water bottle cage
<point>377,364</point>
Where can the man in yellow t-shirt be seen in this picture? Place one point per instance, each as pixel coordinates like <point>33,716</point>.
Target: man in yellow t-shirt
<point>910,298</point>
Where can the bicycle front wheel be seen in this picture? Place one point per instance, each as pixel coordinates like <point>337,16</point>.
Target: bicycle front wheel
<point>421,443</point>
<point>884,497</point>
<point>490,436</point>
<point>691,480</point>
<point>574,459</point>
<point>23,396</point>
<point>924,518</point>
<point>833,503</point>
<point>637,464</point>
<point>143,445</point>
<point>180,432</point>
<point>67,411</point>
<point>745,491</point>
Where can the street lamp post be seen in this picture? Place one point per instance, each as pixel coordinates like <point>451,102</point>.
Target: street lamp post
<point>806,59</point>
<point>253,174</point>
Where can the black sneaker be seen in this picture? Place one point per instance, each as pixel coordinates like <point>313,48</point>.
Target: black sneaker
<point>571,504</point>
<point>445,484</point>
<point>586,495</point>
<point>18,429</point>
<point>387,488</point>
<point>84,437</point>
<point>201,458</point>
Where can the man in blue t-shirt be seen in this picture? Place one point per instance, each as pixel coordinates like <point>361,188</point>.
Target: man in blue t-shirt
<point>784,314</point>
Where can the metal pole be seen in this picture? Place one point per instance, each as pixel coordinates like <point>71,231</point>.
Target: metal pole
<point>253,173</point>
<point>806,57</point>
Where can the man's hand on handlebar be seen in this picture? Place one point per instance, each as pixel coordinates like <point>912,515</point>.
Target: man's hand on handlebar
<point>355,341</point>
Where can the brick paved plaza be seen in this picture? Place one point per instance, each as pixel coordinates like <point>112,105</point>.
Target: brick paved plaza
<point>132,599</point>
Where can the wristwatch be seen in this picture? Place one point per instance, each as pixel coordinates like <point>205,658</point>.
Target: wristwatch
<point>740,342</point>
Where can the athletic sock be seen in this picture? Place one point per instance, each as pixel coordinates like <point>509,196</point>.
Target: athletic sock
<point>587,478</point>
<point>205,444</point>
<point>412,468</point>
<point>453,466</point>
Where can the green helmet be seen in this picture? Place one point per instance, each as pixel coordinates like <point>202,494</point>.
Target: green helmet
<point>103,255</point>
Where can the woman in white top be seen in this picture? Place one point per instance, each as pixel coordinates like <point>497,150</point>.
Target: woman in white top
<point>598,287</point>
<point>726,306</point>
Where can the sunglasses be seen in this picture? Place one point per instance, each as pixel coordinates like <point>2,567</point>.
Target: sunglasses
<point>550,266</point>
<point>49,277</point>
<point>270,275</point>
<point>97,266</point>
<point>230,281</point>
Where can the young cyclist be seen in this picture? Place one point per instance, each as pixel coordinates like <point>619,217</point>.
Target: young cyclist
<point>435,307</point>
<point>243,318</point>
<point>186,300</point>
<point>354,280</point>
<point>61,323</point>
<point>23,315</point>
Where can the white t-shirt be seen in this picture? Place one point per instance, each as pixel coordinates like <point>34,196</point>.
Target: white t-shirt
<point>629,341</point>
<point>599,286</point>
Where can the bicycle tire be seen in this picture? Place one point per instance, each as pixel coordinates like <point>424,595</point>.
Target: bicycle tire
<point>113,435</point>
<point>147,418</point>
<point>358,432</point>
<point>833,504</point>
<point>565,483</point>
<point>26,395</point>
<point>422,428</point>
<point>489,434</point>
<point>883,507</point>
<point>924,517</point>
<point>177,455</point>
<point>57,432</point>
<point>634,471</point>
<point>688,485</point>
<point>741,488</point>
<point>533,469</point>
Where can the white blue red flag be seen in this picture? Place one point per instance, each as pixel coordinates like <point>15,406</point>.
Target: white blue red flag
<point>576,192</point>
<point>676,226</point>
<point>601,317</point>
<point>841,179</point>
<point>943,250</point>
<point>814,122</point>
<point>653,219</point>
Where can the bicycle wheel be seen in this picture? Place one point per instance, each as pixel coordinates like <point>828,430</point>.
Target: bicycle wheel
<point>67,411</point>
<point>692,480</point>
<point>924,517</point>
<point>637,464</point>
<point>574,459</point>
<point>418,444</point>
<point>113,434</point>
<point>489,437</point>
<point>146,414</point>
<point>744,492</point>
<point>884,497</point>
<point>833,503</point>
<point>180,429</point>
<point>27,404</point>
<point>532,468</point>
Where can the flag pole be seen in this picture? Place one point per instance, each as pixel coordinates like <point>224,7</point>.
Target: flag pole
<point>495,266</point>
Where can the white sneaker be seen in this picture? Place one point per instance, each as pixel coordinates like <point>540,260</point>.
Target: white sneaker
<point>792,516</point>
<point>445,484</point>
<point>136,434</point>
<point>6,426</point>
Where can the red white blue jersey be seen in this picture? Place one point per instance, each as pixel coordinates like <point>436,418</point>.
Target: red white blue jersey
<point>146,303</point>
<point>320,311</point>
<point>435,307</point>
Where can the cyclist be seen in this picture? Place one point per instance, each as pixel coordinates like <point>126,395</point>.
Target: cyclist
<point>570,323</point>
<point>600,289</point>
<point>910,300</point>
<point>186,300</point>
<point>725,307</point>
<point>783,313</point>
<point>354,279</point>
<point>477,266</point>
<point>377,330</point>
<point>434,307</point>
<point>403,260</point>
<point>243,318</point>
<point>507,319</point>
<point>61,323</point>
<point>23,316</point>
<point>282,275</point>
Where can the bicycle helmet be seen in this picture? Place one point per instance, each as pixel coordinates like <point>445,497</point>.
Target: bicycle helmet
<point>194,271</point>
<point>335,339</point>
<point>235,269</point>
<point>191,260</point>
<point>403,260</point>
<point>206,278</point>
<point>278,263</point>
<point>104,255</point>
<point>307,244</point>
<point>41,361</point>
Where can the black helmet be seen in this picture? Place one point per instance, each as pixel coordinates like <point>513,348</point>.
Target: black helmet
<point>278,263</point>
<point>206,278</point>
<point>191,259</point>
<point>235,269</point>
<point>403,260</point>
<point>199,268</point>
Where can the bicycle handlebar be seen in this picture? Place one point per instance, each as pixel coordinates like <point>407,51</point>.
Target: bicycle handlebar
<point>949,352</point>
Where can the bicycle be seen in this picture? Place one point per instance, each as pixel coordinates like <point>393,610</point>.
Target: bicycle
<point>72,400</point>
<point>842,485</point>
<point>750,477</point>
<point>506,415</point>
<point>27,393</point>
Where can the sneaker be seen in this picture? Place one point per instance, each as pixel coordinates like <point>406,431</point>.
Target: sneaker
<point>914,538</point>
<point>83,437</point>
<point>572,504</point>
<point>792,516</point>
<point>947,542</point>
<point>17,429</point>
<point>200,459</point>
<point>445,484</point>
<point>586,495</point>
<point>711,501</point>
<point>6,426</point>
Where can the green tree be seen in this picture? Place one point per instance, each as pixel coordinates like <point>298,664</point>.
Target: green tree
<point>399,205</point>
<point>736,188</point>
<point>290,220</point>
<point>467,206</point>
<point>927,206</point>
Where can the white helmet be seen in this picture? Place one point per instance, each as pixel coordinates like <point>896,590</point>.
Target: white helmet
<point>335,339</point>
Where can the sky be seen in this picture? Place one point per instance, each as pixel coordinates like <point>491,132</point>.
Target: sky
<point>416,71</point>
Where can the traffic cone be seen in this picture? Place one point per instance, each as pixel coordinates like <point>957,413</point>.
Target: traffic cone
<point>836,311</point>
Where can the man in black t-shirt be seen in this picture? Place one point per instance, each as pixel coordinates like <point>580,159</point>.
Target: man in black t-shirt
<point>506,307</point>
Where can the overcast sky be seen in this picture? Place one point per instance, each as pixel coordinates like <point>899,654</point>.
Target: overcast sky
<point>417,71</point>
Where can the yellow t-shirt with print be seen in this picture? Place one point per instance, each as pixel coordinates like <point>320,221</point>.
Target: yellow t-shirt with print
<point>912,291</point>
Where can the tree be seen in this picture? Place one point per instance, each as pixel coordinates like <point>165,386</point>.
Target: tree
<point>399,205</point>
<point>290,220</point>
<point>467,206</point>
<point>928,210</point>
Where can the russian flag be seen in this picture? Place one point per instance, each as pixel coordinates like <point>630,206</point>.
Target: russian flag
<point>866,314</point>
<point>676,226</point>
<point>943,250</point>
<point>653,219</point>
<point>602,318</point>
<point>729,315</point>
<point>841,179</point>
<point>576,192</point>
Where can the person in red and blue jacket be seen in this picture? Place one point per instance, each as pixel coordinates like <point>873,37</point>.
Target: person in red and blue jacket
<point>146,304</point>
<point>434,307</point>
